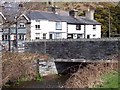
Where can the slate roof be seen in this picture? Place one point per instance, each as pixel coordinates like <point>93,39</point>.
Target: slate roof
<point>56,17</point>
<point>43,15</point>
<point>88,21</point>
<point>70,20</point>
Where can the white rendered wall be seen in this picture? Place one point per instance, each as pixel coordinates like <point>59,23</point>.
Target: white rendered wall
<point>90,31</point>
<point>47,27</point>
<point>72,30</point>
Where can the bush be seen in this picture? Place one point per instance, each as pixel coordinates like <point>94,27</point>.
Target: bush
<point>90,76</point>
<point>19,66</point>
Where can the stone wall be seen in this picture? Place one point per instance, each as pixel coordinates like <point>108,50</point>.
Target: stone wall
<point>88,49</point>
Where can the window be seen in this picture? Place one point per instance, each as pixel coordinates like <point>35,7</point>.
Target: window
<point>58,35</point>
<point>22,25</point>
<point>21,37</point>
<point>44,35</point>
<point>5,37</point>
<point>37,38</point>
<point>58,26</point>
<point>70,36</point>
<point>94,35</point>
<point>78,27</point>
<point>37,27</point>
<point>94,27</point>
<point>79,36</point>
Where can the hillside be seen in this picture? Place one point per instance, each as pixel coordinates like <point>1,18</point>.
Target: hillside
<point>102,12</point>
<point>66,5</point>
<point>107,13</point>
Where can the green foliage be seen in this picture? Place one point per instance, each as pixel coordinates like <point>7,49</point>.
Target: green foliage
<point>102,16</point>
<point>110,80</point>
<point>81,14</point>
<point>23,79</point>
<point>39,77</point>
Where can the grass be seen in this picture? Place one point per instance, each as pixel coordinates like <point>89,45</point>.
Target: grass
<point>110,80</point>
<point>39,77</point>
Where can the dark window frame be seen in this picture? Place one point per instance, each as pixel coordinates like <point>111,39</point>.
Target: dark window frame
<point>78,27</point>
<point>37,27</point>
<point>94,35</point>
<point>94,27</point>
<point>21,36</point>
<point>37,38</point>
<point>44,35</point>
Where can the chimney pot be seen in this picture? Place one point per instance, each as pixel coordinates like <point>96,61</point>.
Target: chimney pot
<point>89,14</point>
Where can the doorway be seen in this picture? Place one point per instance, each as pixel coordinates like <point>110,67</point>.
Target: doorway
<point>50,36</point>
<point>88,36</point>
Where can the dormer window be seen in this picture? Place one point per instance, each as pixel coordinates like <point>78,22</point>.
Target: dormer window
<point>78,27</point>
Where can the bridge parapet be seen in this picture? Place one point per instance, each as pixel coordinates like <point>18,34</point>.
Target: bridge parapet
<point>86,49</point>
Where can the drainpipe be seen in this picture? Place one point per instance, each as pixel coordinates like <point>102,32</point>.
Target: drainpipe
<point>84,31</point>
<point>9,40</point>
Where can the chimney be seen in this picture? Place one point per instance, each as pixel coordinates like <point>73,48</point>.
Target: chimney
<point>89,14</point>
<point>73,13</point>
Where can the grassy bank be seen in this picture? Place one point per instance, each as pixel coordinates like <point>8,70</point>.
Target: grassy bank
<point>110,80</point>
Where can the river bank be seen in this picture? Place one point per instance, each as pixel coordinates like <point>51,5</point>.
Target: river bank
<point>51,81</point>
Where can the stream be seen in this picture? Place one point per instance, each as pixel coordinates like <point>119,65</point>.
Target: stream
<point>54,81</point>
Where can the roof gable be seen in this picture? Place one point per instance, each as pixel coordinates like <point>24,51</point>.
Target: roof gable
<point>23,15</point>
<point>2,15</point>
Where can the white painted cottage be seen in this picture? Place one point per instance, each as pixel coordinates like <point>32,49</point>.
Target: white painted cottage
<point>47,25</point>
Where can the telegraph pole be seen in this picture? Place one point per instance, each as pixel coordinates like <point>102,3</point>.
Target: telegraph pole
<point>109,25</point>
<point>16,36</point>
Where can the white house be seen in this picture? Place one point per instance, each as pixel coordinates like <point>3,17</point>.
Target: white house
<point>85,27</point>
<point>92,27</point>
<point>46,25</point>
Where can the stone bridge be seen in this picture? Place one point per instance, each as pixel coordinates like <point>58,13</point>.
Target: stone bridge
<point>82,49</point>
<point>66,53</point>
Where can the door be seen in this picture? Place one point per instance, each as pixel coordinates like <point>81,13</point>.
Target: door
<point>50,36</point>
<point>88,36</point>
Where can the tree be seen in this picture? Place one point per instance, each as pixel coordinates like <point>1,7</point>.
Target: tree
<point>102,16</point>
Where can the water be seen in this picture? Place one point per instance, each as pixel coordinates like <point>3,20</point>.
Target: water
<point>47,82</point>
